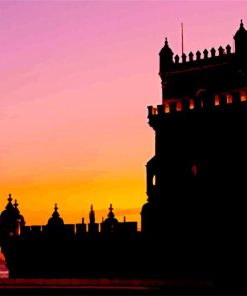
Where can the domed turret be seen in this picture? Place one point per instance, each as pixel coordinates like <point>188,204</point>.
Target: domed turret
<point>55,223</point>
<point>241,40</point>
<point>166,57</point>
<point>110,224</point>
<point>11,220</point>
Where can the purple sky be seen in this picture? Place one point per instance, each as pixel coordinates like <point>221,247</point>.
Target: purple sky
<point>75,80</point>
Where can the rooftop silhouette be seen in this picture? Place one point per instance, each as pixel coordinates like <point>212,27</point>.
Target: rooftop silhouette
<point>194,220</point>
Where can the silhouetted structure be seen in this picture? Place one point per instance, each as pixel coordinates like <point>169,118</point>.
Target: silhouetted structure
<point>194,222</point>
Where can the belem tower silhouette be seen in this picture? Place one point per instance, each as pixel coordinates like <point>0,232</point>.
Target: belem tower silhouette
<point>193,224</point>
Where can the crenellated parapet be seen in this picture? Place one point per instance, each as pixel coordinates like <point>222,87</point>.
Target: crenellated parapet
<point>12,225</point>
<point>218,101</point>
<point>196,59</point>
<point>214,69</point>
<point>204,57</point>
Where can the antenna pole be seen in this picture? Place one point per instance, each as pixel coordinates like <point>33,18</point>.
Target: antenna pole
<point>182,35</point>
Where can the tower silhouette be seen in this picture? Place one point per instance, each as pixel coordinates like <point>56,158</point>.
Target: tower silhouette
<point>196,181</point>
<point>194,220</point>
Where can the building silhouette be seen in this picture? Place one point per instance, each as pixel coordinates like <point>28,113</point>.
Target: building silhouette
<point>194,221</point>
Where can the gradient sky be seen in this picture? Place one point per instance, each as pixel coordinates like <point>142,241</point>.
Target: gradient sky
<point>75,80</point>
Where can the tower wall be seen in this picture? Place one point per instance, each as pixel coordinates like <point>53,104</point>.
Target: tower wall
<point>199,166</point>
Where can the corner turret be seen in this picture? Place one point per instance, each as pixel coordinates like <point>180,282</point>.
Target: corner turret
<point>166,57</point>
<point>241,40</point>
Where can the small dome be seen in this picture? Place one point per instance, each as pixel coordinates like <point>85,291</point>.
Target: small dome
<point>10,218</point>
<point>55,220</point>
<point>166,49</point>
<point>241,33</point>
<point>110,224</point>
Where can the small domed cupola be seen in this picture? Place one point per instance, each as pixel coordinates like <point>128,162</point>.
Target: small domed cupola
<point>110,224</point>
<point>241,40</point>
<point>166,57</point>
<point>55,223</point>
<point>10,220</point>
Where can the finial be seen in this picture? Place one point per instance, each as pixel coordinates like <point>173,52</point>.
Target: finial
<point>166,42</point>
<point>16,204</point>
<point>10,198</point>
<point>82,220</point>
<point>111,214</point>
<point>56,207</point>
<point>91,208</point>
<point>241,23</point>
<point>124,219</point>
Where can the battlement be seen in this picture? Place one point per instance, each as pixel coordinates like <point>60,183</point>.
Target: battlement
<point>78,230</point>
<point>199,59</point>
<point>204,56</point>
<point>208,58</point>
<point>218,101</point>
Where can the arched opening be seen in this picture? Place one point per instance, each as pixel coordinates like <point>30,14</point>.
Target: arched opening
<point>194,169</point>
<point>154,180</point>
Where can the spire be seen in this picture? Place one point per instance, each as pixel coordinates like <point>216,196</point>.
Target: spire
<point>166,42</point>
<point>10,198</point>
<point>9,204</point>
<point>55,213</point>
<point>15,204</point>
<point>16,208</point>
<point>241,24</point>
<point>91,215</point>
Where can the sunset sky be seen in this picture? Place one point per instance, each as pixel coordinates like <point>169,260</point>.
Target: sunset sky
<point>75,80</point>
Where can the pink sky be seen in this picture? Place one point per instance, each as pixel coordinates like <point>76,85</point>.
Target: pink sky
<point>75,80</point>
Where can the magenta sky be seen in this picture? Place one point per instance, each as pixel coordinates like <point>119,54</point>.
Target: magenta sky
<point>75,80</point>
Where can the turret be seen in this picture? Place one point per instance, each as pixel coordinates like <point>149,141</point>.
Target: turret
<point>241,41</point>
<point>91,215</point>
<point>92,226</point>
<point>11,221</point>
<point>166,57</point>
<point>110,224</point>
<point>55,224</point>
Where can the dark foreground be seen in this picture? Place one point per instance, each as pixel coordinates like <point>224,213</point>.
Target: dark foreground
<point>113,287</point>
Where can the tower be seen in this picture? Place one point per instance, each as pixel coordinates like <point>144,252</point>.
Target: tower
<point>196,181</point>
<point>110,224</point>
<point>55,225</point>
<point>93,227</point>
<point>11,221</point>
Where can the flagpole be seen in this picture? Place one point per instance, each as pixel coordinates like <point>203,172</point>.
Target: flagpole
<point>182,33</point>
